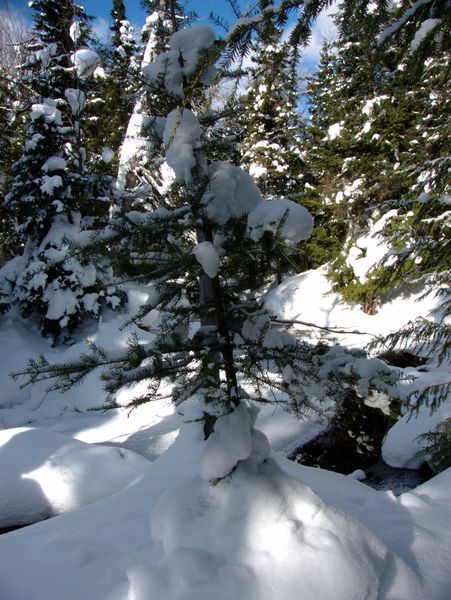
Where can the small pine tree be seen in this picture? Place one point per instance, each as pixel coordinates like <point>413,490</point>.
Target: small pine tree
<point>201,249</point>
<point>53,196</point>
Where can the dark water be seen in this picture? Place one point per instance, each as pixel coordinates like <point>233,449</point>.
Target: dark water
<point>382,477</point>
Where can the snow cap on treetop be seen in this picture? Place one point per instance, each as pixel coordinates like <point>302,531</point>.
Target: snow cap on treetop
<point>178,65</point>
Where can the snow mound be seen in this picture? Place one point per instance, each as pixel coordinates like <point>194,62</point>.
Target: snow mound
<point>256,534</point>
<point>45,473</point>
<point>260,536</point>
<point>401,445</point>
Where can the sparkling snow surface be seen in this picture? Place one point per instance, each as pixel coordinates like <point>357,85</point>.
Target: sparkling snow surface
<point>273,530</point>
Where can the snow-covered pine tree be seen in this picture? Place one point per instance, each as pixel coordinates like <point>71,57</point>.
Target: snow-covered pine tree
<point>271,149</point>
<point>387,155</point>
<point>201,250</point>
<point>53,197</point>
<point>113,93</point>
<point>218,347</point>
<point>13,106</point>
<point>417,25</point>
<point>140,173</point>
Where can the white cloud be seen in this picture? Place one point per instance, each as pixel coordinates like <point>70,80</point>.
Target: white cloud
<point>323,29</point>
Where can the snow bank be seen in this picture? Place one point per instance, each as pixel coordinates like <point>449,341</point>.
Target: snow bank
<point>257,534</point>
<point>43,474</point>
<point>103,551</point>
<point>401,445</point>
<point>369,249</point>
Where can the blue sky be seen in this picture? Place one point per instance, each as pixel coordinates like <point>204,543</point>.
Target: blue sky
<point>102,9</point>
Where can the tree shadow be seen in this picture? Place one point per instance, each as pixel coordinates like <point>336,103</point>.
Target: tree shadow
<point>22,499</point>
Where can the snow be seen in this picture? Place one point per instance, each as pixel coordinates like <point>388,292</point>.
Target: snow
<point>334,131</point>
<point>181,137</point>
<point>285,219</point>
<point>85,62</point>
<point>44,473</point>
<point>271,529</point>
<point>424,29</point>
<point>61,303</point>
<point>401,445</point>
<point>230,442</point>
<point>308,297</point>
<point>260,535</point>
<point>47,110</point>
<point>206,255</point>
<point>54,163</point>
<point>257,171</point>
<point>50,183</point>
<point>369,249</point>
<point>190,44</point>
<point>76,100</point>
<point>369,105</point>
<point>75,31</point>
<point>45,55</point>
<point>107,155</point>
<point>396,26</point>
<point>268,532</point>
<point>231,193</point>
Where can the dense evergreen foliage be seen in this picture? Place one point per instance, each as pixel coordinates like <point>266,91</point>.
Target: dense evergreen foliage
<point>53,194</point>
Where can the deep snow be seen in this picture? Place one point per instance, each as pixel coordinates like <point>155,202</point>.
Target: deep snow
<point>160,529</point>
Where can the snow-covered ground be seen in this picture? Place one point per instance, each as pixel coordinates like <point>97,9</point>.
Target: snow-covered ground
<point>141,522</point>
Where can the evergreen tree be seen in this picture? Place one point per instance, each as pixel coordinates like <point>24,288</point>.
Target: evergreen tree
<point>271,150</point>
<point>418,26</point>
<point>13,105</point>
<point>140,172</point>
<point>53,196</point>
<point>110,103</point>
<point>379,147</point>
<point>201,249</point>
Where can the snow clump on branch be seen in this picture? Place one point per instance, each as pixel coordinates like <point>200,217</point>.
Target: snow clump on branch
<point>178,65</point>
<point>285,219</point>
